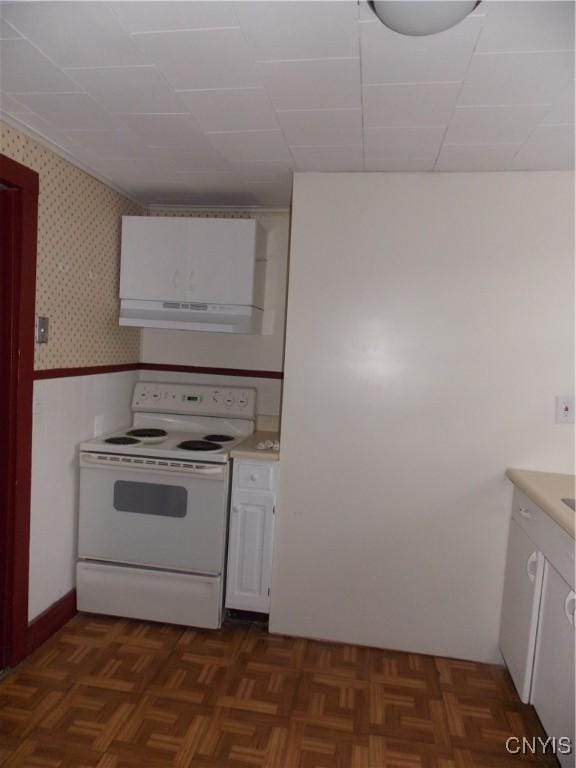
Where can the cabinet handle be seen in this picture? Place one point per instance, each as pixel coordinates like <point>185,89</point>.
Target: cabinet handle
<point>532,566</point>
<point>253,477</point>
<point>525,512</point>
<point>235,509</point>
<point>570,613</point>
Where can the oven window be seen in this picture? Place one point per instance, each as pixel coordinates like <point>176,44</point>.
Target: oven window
<point>150,499</point>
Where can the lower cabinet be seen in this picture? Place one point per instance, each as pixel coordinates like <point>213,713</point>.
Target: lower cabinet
<point>520,607</point>
<point>537,637</point>
<point>251,535</point>
<point>553,681</point>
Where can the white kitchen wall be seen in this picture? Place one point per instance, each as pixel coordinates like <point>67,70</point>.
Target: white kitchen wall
<point>430,326</point>
<point>268,391</point>
<point>66,412</point>
<point>224,350</point>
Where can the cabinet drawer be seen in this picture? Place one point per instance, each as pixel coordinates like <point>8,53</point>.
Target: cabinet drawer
<point>554,542</point>
<point>256,476</point>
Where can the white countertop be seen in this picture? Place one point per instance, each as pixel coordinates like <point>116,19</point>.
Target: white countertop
<point>546,490</point>
<point>247,448</point>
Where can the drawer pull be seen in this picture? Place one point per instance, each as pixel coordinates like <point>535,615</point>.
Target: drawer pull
<point>532,566</point>
<point>569,611</point>
<point>253,477</point>
<point>525,512</point>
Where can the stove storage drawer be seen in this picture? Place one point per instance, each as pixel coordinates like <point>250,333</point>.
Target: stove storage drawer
<point>257,476</point>
<point>139,593</point>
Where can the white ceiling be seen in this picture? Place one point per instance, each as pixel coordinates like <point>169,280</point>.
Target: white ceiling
<point>216,103</point>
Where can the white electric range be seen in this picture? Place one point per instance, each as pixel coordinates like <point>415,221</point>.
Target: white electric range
<point>154,505</point>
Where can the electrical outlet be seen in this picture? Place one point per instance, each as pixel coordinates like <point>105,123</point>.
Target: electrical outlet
<point>565,409</point>
<point>41,329</point>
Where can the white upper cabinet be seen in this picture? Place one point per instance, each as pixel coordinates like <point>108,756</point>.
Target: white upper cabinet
<point>186,259</point>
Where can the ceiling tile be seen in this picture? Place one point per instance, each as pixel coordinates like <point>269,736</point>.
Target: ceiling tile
<point>397,161</point>
<point>516,78</point>
<point>562,109</point>
<point>321,84</point>
<point>128,89</point>
<point>404,140</point>
<point>528,26</point>
<point>300,30</point>
<point>7,32</point>
<point>494,125</point>
<point>550,147</point>
<point>247,146</point>
<point>486,157</point>
<point>167,15</point>
<point>328,158</point>
<point>260,171</point>
<point>165,130</point>
<point>110,143</point>
<point>196,155</point>
<point>24,69</point>
<point>208,180</point>
<point>135,171</point>
<point>222,185</point>
<point>388,57</point>
<point>208,58</point>
<point>365,12</point>
<point>69,110</point>
<point>230,109</point>
<point>409,104</point>
<point>74,34</point>
<point>9,104</point>
<point>322,127</point>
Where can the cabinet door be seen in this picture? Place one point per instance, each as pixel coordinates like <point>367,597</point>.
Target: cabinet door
<point>188,260</point>
<point>250,551</point>
<point>553,684</point>
<point>522,590</point>
<point>154,263</point>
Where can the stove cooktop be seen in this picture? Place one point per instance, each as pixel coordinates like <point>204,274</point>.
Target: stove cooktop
<point>161,443</point>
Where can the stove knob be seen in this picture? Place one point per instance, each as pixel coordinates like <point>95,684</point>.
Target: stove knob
<point>229,400</point>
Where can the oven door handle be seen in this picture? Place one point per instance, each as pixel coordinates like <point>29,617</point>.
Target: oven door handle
<point>209,472</point>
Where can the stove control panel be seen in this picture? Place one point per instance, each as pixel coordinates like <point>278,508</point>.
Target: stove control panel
<point>195,399</point>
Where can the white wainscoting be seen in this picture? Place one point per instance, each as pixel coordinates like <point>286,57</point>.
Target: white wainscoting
<point>66,412</point>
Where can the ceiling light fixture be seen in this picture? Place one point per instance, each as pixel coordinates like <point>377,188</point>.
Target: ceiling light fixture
<point>422,17</point>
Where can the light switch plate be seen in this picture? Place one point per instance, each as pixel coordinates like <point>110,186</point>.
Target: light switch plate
<point>42,324</point>
<point>565,409</point>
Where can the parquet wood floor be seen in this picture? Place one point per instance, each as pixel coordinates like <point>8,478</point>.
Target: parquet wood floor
<point>114,693</point>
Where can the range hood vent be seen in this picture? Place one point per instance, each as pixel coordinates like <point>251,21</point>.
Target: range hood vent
<point>195,274</point>
<point>220,318</point>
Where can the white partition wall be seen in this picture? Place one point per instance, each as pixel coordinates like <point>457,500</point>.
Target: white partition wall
<point>430,326</point>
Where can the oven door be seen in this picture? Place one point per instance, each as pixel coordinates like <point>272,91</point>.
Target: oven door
<point>170,516</point>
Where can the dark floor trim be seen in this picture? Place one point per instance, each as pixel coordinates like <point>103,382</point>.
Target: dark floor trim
<point>50,621</point>
<point>212,371</point>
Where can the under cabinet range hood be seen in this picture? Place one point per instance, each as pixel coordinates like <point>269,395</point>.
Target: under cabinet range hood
<point>195,274</point>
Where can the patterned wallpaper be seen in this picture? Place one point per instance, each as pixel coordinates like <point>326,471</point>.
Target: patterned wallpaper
<point>79,222</point>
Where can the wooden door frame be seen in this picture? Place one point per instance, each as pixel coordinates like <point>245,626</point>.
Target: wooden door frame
<point>18,291</point>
